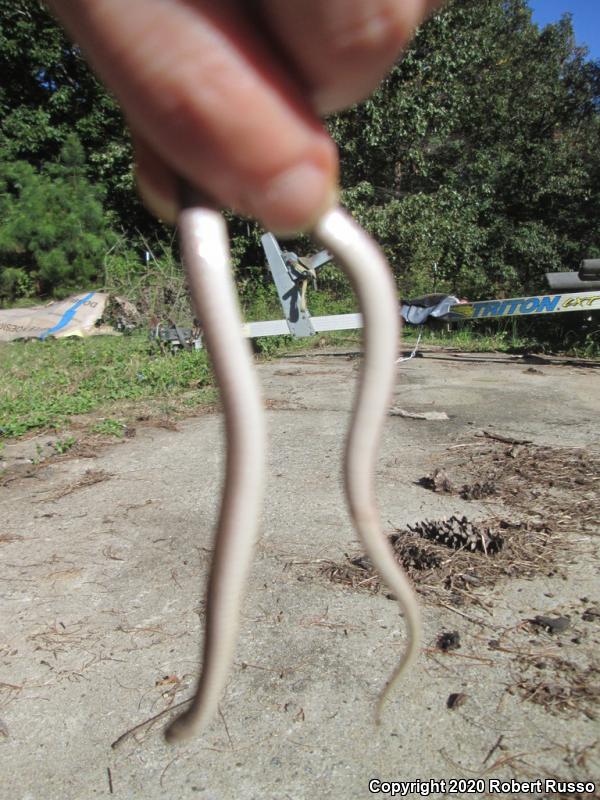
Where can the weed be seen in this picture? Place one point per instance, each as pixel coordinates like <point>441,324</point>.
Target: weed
<point>109,427</point>
<point>158,289</point>
<point>39,453</point>
<point>270,346</point>
<point>44,383</point>
<point>62,446</point>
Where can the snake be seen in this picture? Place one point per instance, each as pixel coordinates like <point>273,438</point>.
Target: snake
<point>205,250</point>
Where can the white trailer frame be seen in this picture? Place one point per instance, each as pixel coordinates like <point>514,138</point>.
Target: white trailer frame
<point>299,323</point>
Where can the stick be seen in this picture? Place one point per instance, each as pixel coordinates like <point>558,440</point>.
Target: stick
<point>226,728</point>
<point>493,749</point>
<point>431,651</point>
<point>138,727</point>
<point>506,439</point>
<point>466,616</point>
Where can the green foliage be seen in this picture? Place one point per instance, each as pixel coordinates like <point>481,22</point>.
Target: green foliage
<point>479,153</point>
<point>53,229</point>
<point>48,92</point>
<point>62,446</point>
<point>476,164</point>
<point>157,288</point>
<point>39,454</point>
<point>15,283</point>
<point>46,382</point>
<point>260,301</point>
<point>109,427</point>
<point>471,340</point>
<point>271,346</point>
<point>435,236</point>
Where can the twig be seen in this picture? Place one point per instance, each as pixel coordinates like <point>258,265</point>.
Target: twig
<point>246,664</point>
<point>162,774</point>
<point>310,747</point>
<point>226,728</point>
<point>110,783</point>
<point>365,581</point>
<point>143,724</point>
<point>507,760</point>
<point>468,444</point>
<point>432,650</point>
<point>462,614</point>
<point>493,749</point>
<point>506,439</point>
<point>174,577</point>
<point>455,764</point>
<point>237,749</point>
<point>89,478</point>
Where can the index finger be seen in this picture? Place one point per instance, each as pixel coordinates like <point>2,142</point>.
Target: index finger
<point>212,102</point>
<point>343,48</point>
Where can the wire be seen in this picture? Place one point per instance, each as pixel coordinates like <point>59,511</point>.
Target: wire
<point>416,347</point>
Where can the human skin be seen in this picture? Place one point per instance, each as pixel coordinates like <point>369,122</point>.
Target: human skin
<point>227,95</point>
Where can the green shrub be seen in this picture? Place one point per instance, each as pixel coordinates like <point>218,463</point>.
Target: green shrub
<point>53,229</point>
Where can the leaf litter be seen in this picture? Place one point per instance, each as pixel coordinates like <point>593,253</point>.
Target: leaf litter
<point>545,499</point>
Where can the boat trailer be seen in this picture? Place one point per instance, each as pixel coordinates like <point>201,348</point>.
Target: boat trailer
<point>577,291</point>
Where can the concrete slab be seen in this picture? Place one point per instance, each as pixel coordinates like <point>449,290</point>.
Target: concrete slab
<point>102,603</point>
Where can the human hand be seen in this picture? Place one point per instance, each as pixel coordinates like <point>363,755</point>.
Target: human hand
<point>226,94</point>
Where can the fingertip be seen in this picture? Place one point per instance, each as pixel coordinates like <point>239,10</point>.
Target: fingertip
<point>161,206</point>
<point>344,48</point>
<point>155,182</point>
<point>287,196</point>
<point>291,201</point>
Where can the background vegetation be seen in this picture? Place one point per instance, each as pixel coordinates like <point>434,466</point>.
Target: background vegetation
<point>479,155</point>
<point>476,164</point>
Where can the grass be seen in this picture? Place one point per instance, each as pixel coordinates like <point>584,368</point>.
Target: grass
<point>110,427</point>
<point>466,339</point>
<point>470,340</point>
<point>45,383</point>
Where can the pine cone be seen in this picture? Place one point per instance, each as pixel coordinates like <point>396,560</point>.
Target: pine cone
<point>459,534</point>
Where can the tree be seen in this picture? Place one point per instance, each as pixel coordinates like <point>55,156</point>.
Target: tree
<point>47,92</point>
<point>478,153</point>
<point>54,232</point>
<point>481,152</point>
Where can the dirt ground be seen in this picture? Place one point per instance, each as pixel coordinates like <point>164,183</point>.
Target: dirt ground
<point>104,560</point>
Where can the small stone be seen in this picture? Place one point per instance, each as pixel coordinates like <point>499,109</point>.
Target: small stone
<point>552,624</point>
<point>448,640</point>
<point>455,700</point>
<point>590,614</point>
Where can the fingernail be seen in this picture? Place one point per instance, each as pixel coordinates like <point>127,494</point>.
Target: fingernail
<point>293,200</point>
